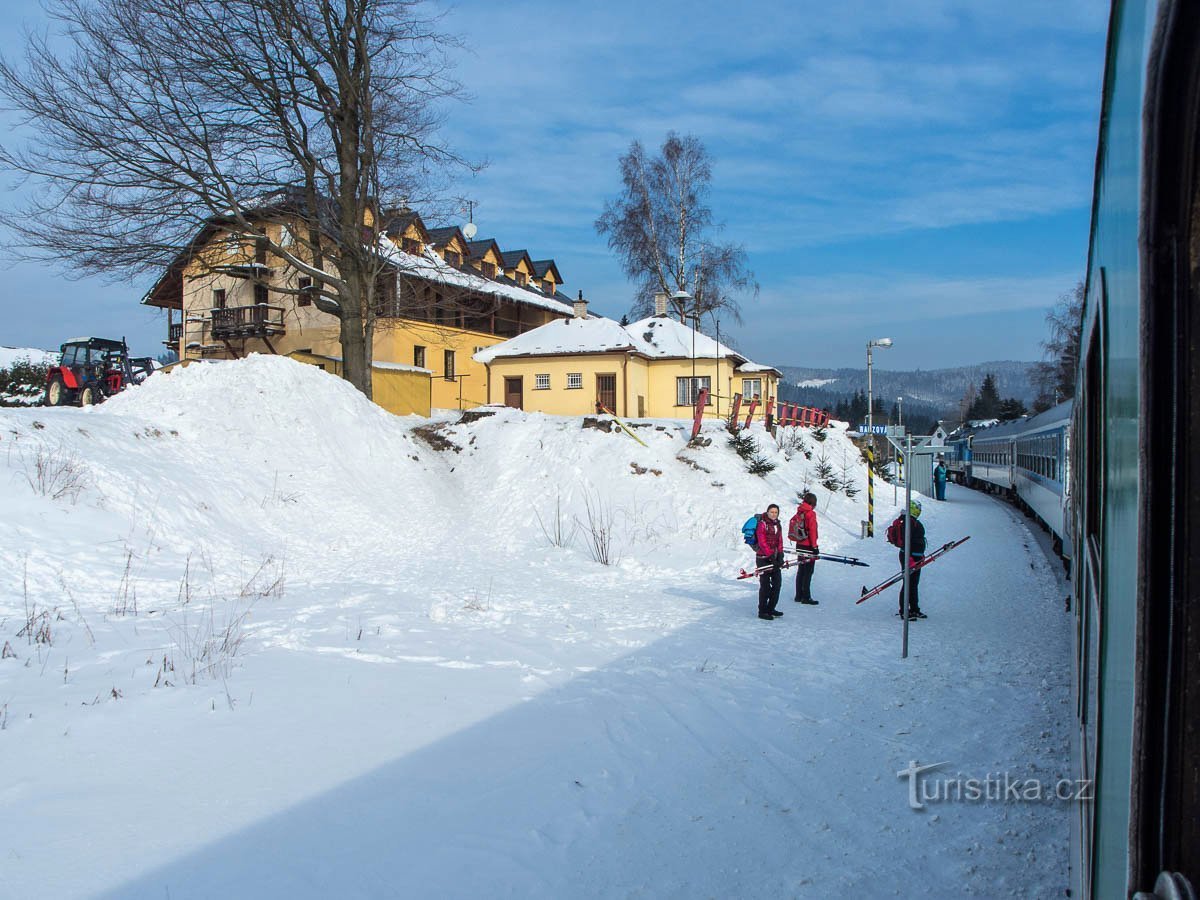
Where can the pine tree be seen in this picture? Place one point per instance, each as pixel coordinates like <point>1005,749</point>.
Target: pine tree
<point>1011,408</point>
<point>987,404</point>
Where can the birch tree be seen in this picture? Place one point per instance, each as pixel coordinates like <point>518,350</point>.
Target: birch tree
<point>663,231</point>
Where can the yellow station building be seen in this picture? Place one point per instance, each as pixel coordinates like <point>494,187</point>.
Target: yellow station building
<point>654,368</point>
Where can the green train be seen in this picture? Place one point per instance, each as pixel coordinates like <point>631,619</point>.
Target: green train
<point>1135,469</point>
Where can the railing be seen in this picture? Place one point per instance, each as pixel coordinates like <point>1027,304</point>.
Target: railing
<point>174,334</point>
<point>247,321</point>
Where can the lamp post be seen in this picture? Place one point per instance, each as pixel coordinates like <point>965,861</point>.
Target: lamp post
<point>878,342</point>
<point>900,423</point>
<point>681,299</point>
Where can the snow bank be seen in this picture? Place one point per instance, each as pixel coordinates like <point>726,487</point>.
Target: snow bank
<point>272,641</point>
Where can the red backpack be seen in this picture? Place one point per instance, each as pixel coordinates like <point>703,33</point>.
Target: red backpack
<point>895,533</point>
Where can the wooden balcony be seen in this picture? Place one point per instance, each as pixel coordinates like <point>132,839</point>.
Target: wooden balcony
<point>174,335</point>
<point>258,321</point>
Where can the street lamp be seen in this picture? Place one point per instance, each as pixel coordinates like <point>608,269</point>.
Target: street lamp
<point>878,342</point>
<point>682,298</point>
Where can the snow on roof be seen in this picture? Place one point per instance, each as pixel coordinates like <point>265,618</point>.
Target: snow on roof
<point>666,338</point>
<point>564,336</point>
<point>376,364</point>
<point>431,266</point>
<point>655,337</point>
<point>757,367</point>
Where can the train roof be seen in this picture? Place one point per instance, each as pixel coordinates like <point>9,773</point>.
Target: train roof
<point>1053,416</point>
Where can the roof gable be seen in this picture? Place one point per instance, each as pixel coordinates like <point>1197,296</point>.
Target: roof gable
<point>514,258</point>
<point>544,267</point>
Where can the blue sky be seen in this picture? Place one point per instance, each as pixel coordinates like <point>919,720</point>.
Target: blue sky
<point>920,170</point>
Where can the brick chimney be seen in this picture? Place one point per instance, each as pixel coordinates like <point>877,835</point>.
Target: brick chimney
<point>660,304</point>
<point>580,307</point>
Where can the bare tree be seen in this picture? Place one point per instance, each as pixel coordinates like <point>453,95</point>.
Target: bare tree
<point>153,121</point>
<point>663,230</point>
<point>1055,375</point>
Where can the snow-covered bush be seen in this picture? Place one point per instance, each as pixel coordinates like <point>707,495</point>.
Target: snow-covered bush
<point>23,382</point>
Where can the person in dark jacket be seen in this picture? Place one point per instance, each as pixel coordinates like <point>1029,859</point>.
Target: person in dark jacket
<point>916,546</point>
<point>769,558</point>
<point>802,529</point>
<point>940,474</point>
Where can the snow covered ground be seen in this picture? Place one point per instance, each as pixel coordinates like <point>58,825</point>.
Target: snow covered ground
<point>269,642</point>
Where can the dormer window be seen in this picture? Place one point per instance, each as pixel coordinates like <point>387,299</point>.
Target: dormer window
<point>489,269</point>
<point>455,259</point>
<point>410,245</point>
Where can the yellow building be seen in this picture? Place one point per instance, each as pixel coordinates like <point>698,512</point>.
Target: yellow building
<point>442,300</point>
<point>651,369</point>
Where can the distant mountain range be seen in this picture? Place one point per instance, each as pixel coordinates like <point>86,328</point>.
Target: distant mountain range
<point>928,393</point>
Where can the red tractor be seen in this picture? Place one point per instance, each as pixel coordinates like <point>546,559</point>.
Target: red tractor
<point>92,369</point>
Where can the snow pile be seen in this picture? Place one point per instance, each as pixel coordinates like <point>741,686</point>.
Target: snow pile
<point>272,641</point>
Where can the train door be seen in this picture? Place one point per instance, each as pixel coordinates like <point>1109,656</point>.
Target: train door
<point>1089,593</point>
<point>1166,824</point>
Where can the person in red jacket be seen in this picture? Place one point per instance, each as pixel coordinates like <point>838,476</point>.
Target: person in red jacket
<point>803,530</point>
<point>768,551</point>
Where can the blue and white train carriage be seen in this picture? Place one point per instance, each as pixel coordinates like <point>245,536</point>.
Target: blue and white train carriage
<point>1028,462</point>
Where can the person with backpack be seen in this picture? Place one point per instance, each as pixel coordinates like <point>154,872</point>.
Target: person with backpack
<point>802,529</point>
<point>940,474</point>
<point>768,550</point>
<point>916,547</point>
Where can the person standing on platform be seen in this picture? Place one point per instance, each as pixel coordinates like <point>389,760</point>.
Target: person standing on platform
<point>940,474</point>
<point>769,560</point>
<point>802,529</point>
<point>916,549</point>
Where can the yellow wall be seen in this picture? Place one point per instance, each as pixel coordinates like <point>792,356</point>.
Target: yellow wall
<point>400,392</point>
<point>395,340</point>
<point>653,380</point>
<point>559,400</point>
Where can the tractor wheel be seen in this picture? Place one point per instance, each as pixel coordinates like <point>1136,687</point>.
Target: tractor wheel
<point>56,392</point>
<point>89,395</point>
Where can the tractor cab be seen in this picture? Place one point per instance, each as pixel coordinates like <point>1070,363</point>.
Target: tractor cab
<point>92,369</point>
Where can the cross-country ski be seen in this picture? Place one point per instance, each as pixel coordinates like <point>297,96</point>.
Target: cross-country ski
<point>893,580</point>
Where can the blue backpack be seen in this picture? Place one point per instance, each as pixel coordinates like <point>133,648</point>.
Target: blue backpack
<point>750,531</point>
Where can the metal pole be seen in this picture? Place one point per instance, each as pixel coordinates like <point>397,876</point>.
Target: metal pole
<point>907,546</point>
<point>896,474</point>
<point>870,451</point>
<point>717,376</point>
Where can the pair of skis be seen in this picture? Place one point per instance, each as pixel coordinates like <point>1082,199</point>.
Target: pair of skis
<point>804,556</point>
<point>937,554</point>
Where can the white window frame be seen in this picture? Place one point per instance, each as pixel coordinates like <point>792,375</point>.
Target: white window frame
<point>541,382</point>
<point>747,394</point>
<point>688,388</point>
<point>574,381</point>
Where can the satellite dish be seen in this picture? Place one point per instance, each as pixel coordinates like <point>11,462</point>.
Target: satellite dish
<point>469,230</point>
